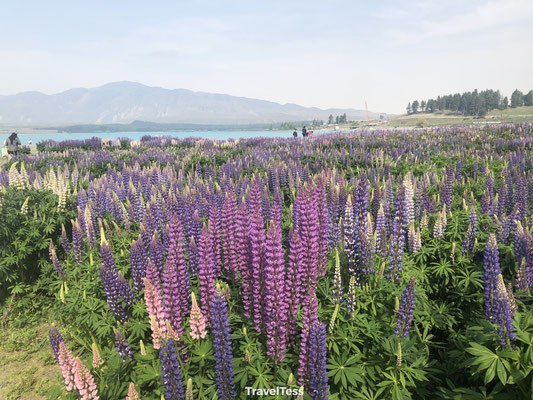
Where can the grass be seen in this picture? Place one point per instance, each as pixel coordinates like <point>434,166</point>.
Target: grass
<point>519,114</point>
<point>28,369</point>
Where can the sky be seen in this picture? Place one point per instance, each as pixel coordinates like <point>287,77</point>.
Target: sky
<point>313,53</point>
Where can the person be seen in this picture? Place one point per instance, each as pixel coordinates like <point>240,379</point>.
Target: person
<point>304,132</point>
<point>13,143</point>
<point>30,142</point>
<point>295,134</point>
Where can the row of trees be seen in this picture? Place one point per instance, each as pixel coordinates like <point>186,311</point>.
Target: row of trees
<point>339,119</point>
<point>471,103</point>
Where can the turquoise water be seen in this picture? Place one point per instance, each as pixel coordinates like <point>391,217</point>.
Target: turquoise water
<point>222,135</point>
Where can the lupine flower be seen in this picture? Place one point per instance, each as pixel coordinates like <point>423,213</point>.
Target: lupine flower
<point>397,241</point>
<point>67,362</point>
<point>84,382</point>
<point>125,290</point>
<point>276,306</point>
<point>152,297</point>
<point>132,393</point>
<point>138,262</point>
<point>337,283</point>
<point>152,273</point>
<point>55,261</point>
<point>309,317</point>
<point>156,252</point>
<point>317,369</point>
<point>503,314</point>
<point>407,307</point>
<point>176,286</point>
<point>222,347</point>
<point>122,346</point>
<point>97,360</point>
<point>64,239</point>
<point>170,367</point>
<point>257,240</point>
<point>55,340</point>
<point>490,276</point>
<point>521,277</point>
<point>197,320</point>
<point>110,282</point>
<point>77,241</point>
<point>188,392</point>
<point>206,273</point>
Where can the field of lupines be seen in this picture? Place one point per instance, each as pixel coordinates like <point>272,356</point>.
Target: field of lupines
<point>369,265</point>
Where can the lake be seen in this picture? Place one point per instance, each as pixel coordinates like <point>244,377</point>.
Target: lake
<point>222,135</point>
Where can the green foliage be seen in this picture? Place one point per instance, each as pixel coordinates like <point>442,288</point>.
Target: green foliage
<point>24,238</point>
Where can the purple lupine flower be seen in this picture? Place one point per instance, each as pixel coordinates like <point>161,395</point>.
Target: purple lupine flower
<point>276,305</point>
<point>293,288</point>
<point>152,273</point>
<point>308,232</point>
<point>156,252</point>
<point>447,187</point>
<point>309,318</point>
<point>122,346</point>
<point>193,256</point>
<point>77,244</point>
<point>257,240</point>
<point>176,284</point>
<point>55,340</point>
<point>125,290</point>
<point>228,228</point>
<point>110,282</point>
<point>317,359</point>
<point>243,256</point>
<point>520,242</point>
<point>55,261</point>
<point>170,367</point>
<point>503,314</point>
<point>396,250</point>
<point>323,220</point>
<point>138,262</point>
<point>222,346</point>
<point>206,273</point>
<point>407,307</point>
<point>490,276</point>
<point>214,231</point>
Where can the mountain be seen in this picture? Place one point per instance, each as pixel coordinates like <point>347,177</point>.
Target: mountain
<point>125,102</point>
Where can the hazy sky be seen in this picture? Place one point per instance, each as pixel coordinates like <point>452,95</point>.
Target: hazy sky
<point>313,53</point>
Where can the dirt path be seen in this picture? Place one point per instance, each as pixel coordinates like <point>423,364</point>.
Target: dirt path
<point>28,369</point>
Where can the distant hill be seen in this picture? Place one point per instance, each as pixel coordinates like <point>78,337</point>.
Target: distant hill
<point>125,102</point>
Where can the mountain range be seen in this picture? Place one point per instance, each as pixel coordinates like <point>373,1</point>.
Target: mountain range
<point>125,102</point>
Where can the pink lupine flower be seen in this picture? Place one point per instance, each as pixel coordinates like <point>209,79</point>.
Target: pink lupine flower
<point>97,360</point>
<point>152,296</point>
<point>67,362</point>
<point>132,393</point>
<point>85,382</point>
<point>197,320</point>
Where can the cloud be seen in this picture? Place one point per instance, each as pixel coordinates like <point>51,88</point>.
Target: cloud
<point>487,15</point>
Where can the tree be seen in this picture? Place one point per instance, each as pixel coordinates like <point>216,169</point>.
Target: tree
<point>423,105</point>
<point>408,108</point>
<point>517,99</point>
<point>505,103</point>
<point>528,98</point>
<point>415,106</point>
<point>337,119</point>
<point>330,119</point>
<point>344,118</point>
